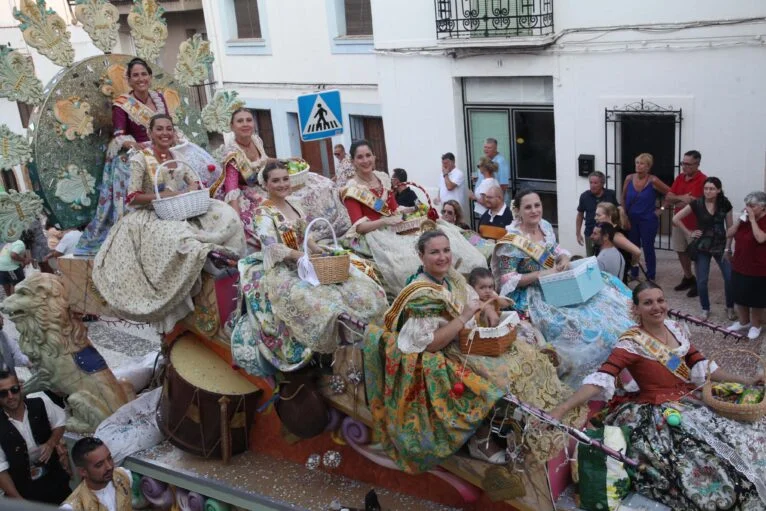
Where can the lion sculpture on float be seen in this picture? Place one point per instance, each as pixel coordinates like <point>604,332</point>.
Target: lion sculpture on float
<point>57,344</point>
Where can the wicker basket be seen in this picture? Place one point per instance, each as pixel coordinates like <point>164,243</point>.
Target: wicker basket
<point>739,412</point>
<point>299,179</point>
<point>489,341</point>
<point>185,205</point>
<point>413,225</point>
<point>409,226</point>
<point>328,269</point>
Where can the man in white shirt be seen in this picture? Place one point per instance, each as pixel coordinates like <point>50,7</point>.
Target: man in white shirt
<point>30,432</point>
<point>67,244</point>
<point>503,167</point>
<point>452,183</point>
<point>103,486</point>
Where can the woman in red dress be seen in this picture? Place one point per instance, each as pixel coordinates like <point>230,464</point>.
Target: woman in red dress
<point>705,462</point>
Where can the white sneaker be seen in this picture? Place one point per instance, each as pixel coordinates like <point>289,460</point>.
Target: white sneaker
<point>704,315</point>
<point>753,333</point>
<point>737,327</point>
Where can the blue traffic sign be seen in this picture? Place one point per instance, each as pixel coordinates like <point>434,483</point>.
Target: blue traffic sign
<point>320,115</point>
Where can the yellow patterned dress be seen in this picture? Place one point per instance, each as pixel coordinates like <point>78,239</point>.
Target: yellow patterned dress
<point>417,418</point>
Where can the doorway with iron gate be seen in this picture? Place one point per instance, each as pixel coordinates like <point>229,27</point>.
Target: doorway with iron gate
<point>644,127</point>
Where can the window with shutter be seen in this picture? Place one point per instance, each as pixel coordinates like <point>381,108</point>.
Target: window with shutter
<point>248,21</point>
<point>25,111</point>
<point>358,17</point>
<point>265,131</point>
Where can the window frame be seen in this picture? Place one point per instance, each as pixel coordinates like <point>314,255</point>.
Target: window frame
<point>340,43</point>
<point>246,46</point>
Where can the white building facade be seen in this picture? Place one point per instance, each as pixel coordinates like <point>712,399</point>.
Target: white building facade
<point>550,80</point>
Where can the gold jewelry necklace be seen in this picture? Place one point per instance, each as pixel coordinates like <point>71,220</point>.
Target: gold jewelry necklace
<point>246,146</point>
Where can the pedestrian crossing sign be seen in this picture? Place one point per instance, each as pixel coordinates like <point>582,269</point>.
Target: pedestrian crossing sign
<point>320,115</point>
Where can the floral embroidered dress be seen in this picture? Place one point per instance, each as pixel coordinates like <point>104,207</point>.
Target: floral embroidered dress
<point>582,334</point>
<point>318,197</point>
<point>395,256</point>
<point>130,122</point>
<point>148,268</point>
<point>418,420</point>
<point>288,320</point>
<point>707,462</point>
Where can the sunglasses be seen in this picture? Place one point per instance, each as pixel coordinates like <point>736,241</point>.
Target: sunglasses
<point>7,392</point>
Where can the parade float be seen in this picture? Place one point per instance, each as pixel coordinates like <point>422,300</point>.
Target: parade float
<point>233,439</point>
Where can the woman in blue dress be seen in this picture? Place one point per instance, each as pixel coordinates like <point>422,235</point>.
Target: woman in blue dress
<point>639,197</point>
<point>583,334</point>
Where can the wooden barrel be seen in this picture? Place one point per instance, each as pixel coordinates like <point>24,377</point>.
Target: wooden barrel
<point>207,408</point>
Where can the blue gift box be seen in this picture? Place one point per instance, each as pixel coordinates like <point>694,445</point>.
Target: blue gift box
<point>574,286</point>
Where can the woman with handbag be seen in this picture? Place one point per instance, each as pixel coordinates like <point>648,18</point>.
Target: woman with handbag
<point>639,195</point>
<point>704,462</point>
<point>287,319</point>
<point>709,241</point>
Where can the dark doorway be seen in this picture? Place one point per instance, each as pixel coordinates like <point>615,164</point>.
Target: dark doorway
<point>643,127</point>
<point>653,134</point>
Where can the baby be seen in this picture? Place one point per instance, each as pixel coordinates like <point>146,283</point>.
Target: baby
<point>481,280</point>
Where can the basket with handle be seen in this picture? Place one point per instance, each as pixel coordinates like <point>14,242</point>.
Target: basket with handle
<point>299,178</point>
<point>329,269</point>
<point>489,341</point>
<point>182,206</point>
<point>745,412</point>
<point>414,224</point>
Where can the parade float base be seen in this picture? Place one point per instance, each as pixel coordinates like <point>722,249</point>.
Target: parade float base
<point>259,482</point>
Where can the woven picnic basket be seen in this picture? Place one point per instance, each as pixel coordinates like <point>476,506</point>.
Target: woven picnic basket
<point>739,412</point>
<point>299,178</point>
<point>183,206</point>
<point>330,269</point>
<point>489,341</point>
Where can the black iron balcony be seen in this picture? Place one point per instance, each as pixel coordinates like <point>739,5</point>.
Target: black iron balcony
<point>493,18</point>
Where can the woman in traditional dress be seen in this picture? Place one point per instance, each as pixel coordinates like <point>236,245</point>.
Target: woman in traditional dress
<point>131,113</point>
<point>707,462</point>
<point>244,157</point>
<point>287,318</point>
<point>582,334</point>
<point>428,399</point>
<point>147,268</point>
<point>370,202</point>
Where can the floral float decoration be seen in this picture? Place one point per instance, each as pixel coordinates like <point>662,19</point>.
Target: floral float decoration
<point>74,118</point>
<point>17,212</point>
<point>217,113</point>
<point>194,59</point>
<point>17,77</point>
<point>75,186</point>
<point>148,28</point>
<point>114,81</point>
<point>14,149</point>
<point>100,19</point>
<point>45,31</point>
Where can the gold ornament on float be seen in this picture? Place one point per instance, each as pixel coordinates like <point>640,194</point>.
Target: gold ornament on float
<point>114,81</point>
<point>14,149</point>
<point>101,20</point>
<point>148,28</point>
<point>194,59</point>
<point>17,77</point>
<point>45,31</point>
<point>74,118</point>
<point>17,212</point>
<point>217,113</point>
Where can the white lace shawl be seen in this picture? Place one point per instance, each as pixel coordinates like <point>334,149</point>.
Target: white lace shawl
<point>680,331</point>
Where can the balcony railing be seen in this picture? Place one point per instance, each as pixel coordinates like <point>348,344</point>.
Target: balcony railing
<point>493,18</point>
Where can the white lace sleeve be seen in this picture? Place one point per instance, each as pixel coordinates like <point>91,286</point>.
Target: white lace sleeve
<point>418,333</point>
<point>233,195</point>
<point>508,283</point>
<point>700,370</point>
<point>603,380</point>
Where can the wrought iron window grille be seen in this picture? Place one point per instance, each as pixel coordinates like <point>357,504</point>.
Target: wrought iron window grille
<point>493,18</point>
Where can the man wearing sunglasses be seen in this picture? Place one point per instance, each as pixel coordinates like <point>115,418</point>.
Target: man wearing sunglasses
<point>30,432</point>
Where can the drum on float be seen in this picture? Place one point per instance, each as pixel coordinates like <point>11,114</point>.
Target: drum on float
<point>206,408</point>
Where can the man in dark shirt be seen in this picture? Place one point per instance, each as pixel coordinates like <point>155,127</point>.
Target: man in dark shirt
<point>498,215</point>
<point>589,199</point>
<point>403,194</point>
